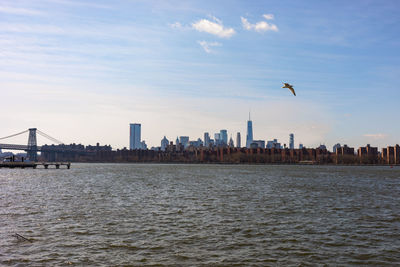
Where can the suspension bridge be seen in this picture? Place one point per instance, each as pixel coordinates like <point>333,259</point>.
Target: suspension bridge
<point>32,148</point>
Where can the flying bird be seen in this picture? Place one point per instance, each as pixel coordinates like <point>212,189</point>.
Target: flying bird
<point>289,86</point>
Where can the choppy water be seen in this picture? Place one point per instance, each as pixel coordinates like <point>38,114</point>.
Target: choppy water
<point>191,215</point>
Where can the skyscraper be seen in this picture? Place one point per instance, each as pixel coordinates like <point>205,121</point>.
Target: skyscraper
<point>231,144</point>
<point>164,143</point>
<point>249,137</point>
<point>238,143</point>
<point>206,139</point>
<point>217,138</point>
<point>134,136</point>
<point>224,136</point>
<point>184,140</point>
<point>291,141</point>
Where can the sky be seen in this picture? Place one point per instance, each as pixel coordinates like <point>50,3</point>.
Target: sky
<point>81,71</point>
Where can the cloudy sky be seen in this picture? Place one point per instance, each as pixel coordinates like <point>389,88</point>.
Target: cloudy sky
<point>81,71</point>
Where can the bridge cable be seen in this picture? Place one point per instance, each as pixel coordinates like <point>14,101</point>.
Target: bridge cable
<point>49,137</point>
<point>14,135</point>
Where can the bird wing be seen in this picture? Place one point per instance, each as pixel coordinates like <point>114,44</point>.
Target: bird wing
<point>291,89</point>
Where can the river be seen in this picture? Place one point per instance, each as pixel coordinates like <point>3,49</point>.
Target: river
<point>200,215</point>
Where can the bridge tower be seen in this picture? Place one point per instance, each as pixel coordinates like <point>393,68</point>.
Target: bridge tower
<point>32,145</point>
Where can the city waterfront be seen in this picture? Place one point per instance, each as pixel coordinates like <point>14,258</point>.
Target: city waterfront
<point>191,215</point>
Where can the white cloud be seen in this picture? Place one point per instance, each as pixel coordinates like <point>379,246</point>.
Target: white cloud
<point>269,16</point>
<point>18,11</point>
<point>207,45</point>
<point>213,27</point>
<point>376,136</point>
<point>176,25</point>
<point>261,26</point>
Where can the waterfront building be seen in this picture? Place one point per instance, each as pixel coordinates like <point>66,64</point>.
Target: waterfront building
<point>345,150</point>
<point>291,141</point>
<point>224,137</point>
<point>322,147</point>
<point>391,155</point>
<point>164,143</point>
<point>335,147</point>
<point>196,144</point>
<point>238,143</point>
<point>184,140</point>
<point>231,144</point>
<point>368,154</point>
<point>134,136</point>
<point>273,144</point>
<point>249,136</point>
<point>206,139</point>
<point>260,144</point>
<point>143,145</point>
<point>217,139</point>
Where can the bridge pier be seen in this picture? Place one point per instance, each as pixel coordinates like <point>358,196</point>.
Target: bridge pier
<point>32,145</point>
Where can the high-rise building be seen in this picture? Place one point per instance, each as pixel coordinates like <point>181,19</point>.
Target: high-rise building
<point>177,141</point>
<point>134,136</point>
<point>206,139</point>
<point>231,144</point>
<point>336,147</point>
<point>249,136</point>
<point>164,143</point>
<point>291,141</point>
<point>273,144</point>
<point>143,145</point>
<point>238,144</point>
<point>301,146</point>
<point>224,136</point>
<point>217,139</point>
<point>184,140</point>
<point>260,143</point>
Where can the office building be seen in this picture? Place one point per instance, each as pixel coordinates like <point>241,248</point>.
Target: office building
<point>231,144</point>
<point>249,136</point>
<point>273,144</point>
<point>238,143</point>
<point>224,136</point>
<point>184,140</point>
<point>291,141</point>
<point>196,144</point>
<point>217,139</point>
<point>206,139</point>
<point>259,144</point>
<point>335,147</point>
<point>164,143</point>
<point>143,145</point>
<point>322,147</point>
<point>134,136</point>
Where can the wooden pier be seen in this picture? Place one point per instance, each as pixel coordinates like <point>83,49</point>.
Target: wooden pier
<point>34,165</point>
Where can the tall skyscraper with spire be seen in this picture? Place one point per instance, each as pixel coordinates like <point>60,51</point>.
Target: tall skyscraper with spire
<point>291,141</point>
<point>249,136</point>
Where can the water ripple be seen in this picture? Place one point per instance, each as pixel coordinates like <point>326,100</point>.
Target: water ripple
<point>200,215</point>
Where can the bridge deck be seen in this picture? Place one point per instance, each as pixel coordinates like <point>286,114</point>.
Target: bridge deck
<point>34,165</point>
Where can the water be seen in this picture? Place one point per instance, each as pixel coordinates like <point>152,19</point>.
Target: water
<point>200,215</point>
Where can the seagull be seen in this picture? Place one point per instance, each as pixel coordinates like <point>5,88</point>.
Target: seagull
<point>289,86</point>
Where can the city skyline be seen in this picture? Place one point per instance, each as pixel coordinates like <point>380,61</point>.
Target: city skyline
<point>82,70</point>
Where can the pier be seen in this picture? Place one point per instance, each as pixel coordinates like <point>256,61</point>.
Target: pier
<point>34,165</point>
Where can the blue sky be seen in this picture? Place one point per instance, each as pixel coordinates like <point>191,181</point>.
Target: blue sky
<point>81,71</point>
